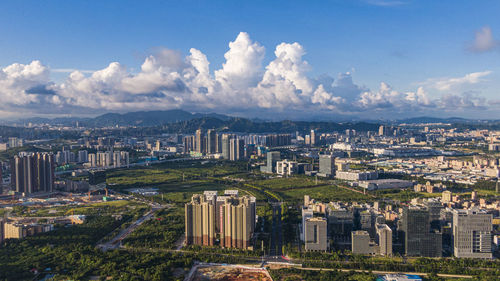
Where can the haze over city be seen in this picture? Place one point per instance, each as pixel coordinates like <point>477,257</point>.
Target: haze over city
<point>327,60</point>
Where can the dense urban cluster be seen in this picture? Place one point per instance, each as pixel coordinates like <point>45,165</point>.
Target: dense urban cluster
<point>279,204</point>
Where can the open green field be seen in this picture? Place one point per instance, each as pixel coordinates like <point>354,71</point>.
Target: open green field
<point>102,208</point>
<point>177,182</point>
<point>287,183</point>
<point>324,193</point>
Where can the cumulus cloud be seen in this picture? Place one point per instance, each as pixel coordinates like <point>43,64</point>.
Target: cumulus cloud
<point>167,79</point>
<point>484,41</point>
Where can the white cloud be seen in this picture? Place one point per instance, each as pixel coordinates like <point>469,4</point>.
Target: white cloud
<point>167,80</point>
<point>445,84</point>
<point>243,66</point>
<point>484,41</point>
<point>17,79</point>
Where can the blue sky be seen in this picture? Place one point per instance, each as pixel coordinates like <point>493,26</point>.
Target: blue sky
<point>404,44</point>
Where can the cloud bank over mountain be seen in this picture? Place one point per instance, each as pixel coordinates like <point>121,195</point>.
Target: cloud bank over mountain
<point>243,86</point>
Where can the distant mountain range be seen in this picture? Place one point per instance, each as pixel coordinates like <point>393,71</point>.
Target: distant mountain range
<point>139,118</point>
<point>182,120</point>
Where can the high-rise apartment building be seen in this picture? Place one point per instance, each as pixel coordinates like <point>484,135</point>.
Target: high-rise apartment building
<point>229,216</point>
<point>382,130</point>
<point>83,156</point>
<point>419,240</point>
<point>199,141</point>
<point>384,239</point>
<point>200,220</point>
<point>236,149</point>
<point>315,236</point>
<point>218,143</point>
<point>327,165</point>
<point>211,145</point>
<point>237,223</point>
<point>472,236</point>
<point>188,142</point>
<point>446,196</point>
<point>313,137</point>
<point>33,173</point>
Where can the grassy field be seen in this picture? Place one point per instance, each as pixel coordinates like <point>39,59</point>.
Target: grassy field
<point>102,208</point>
<point>177,182</point>
<point>324,193</point>
<point>286,183</point>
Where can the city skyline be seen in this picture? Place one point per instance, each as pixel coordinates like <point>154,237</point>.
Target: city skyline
<point>354,60</point>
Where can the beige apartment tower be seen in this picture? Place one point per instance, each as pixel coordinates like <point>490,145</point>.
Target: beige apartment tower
<point>200,221</point>
<point>230,216</point>
<point>237,222</point>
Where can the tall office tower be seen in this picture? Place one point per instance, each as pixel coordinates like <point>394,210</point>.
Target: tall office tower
<point>117,159</point>
<point>315,234</point>
<point>218,143</point>
<point>33,173</point>
<point>226,146</point>
<point>236,149</point>
<point>83,156</point>
<point>419,240</point>
<point>211,141</point>
<point>384,239</point>
<point>200,221</point>
<point>272,158</point>
<point>381,130</point>
<point>327,165</point>
<point>125,157</point>
<point>313,138</point>
<point>472,236</point>
<point>237,223</point>
<point>306,214</point>
<point>199,142</point>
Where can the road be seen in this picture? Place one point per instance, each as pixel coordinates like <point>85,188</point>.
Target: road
<point>276,246</point>
<point>116,241</point>
<point>295,263</point>
<point>385,272</point>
